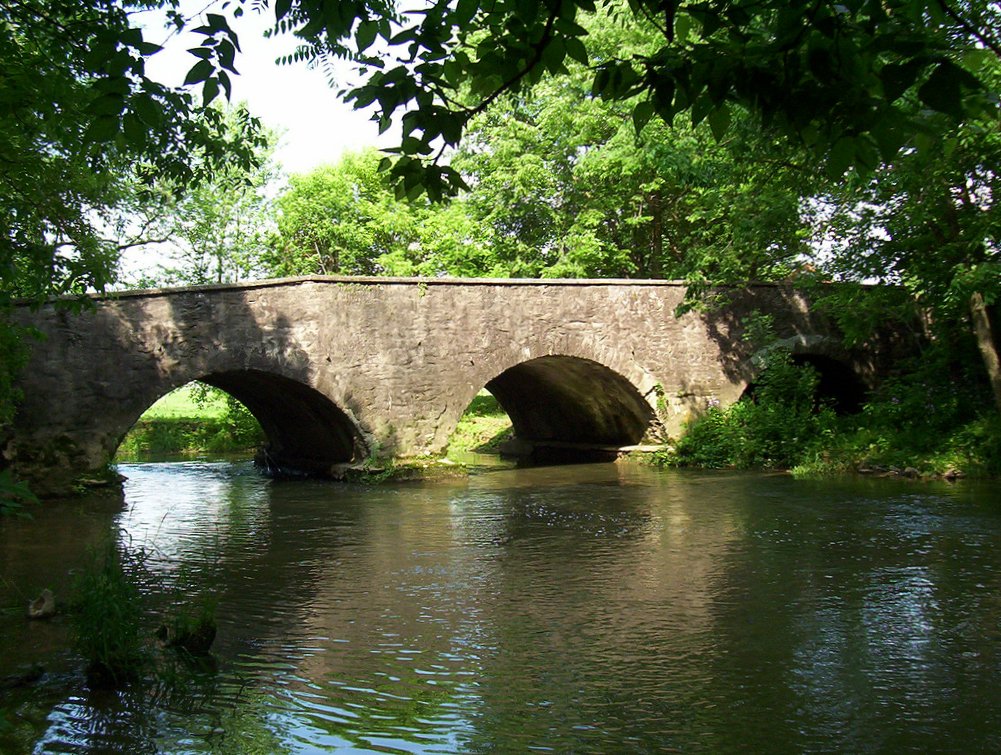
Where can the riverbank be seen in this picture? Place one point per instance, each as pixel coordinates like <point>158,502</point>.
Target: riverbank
<point>191,421</point>
<point>921,424</point>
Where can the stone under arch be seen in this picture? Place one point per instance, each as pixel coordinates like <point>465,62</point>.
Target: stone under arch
<point>571,402</point>
<point>306,432</point>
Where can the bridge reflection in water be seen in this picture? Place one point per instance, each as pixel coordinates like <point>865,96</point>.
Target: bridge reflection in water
<point>599,608</point>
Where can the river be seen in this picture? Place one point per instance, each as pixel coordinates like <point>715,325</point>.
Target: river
<point>597,608</point>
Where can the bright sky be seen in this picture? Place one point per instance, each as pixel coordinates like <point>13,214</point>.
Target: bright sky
<point>315,126</point>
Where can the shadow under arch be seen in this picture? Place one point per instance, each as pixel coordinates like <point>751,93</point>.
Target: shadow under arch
<point>840,386</point>
<point>571,402</point>
<point>306,433</point>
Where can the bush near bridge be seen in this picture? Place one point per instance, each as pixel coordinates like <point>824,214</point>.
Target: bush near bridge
<point>936,417</point>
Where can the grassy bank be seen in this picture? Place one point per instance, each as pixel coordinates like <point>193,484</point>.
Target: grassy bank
<point>191,421</point>
<point>931,420</point>
<point>482,428</point>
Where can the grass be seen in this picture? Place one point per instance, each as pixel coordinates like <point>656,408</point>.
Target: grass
<point>189,402</point>
<point>108,617</point>
<point>191,420</point>
<point>483,427</point>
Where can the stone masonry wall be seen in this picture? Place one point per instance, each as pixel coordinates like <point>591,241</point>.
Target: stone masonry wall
<point>395,361</point>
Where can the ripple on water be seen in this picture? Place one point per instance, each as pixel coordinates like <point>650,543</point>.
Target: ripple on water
<point>598,609</point>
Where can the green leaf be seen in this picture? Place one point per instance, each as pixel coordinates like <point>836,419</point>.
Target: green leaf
<point>282,7</point>
<point>866,153</point>
<point>108,104</point>
<point>897,78</point>
<point>465,10</point>
<point>576,50</point>
<point>227,55</point>
<point>570,28</point>
<point>684,25</point>
<point>147,48</point>
<point>450,126</point>
<point>553,55</point>
<point>147,109</point>
<point>719,122</point>
<point>889,138</point>
<point>366,34</point>
<point>217,22</point>
<point>642,113</point>
<point>943,91</point>
<point>103,129</point>
<point>700,109</point>
<point>602,77</point>
<point>841,157</point>
<point>198,73</point>
<point>210,90</point>
<point>134,129</point>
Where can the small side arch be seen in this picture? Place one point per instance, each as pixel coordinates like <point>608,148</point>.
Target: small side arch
<point>840,383</point>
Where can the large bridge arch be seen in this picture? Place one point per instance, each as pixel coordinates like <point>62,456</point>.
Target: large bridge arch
<point>562,387</point>
<point>305,431</point>
<point>572,400</point>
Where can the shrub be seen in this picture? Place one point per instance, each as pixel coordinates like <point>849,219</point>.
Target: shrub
<point>773,427</point>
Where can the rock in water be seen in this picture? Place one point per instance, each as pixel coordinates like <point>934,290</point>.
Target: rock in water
<point>43,606</point>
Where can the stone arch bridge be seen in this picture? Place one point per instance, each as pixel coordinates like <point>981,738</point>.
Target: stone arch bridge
<point>339,369</point>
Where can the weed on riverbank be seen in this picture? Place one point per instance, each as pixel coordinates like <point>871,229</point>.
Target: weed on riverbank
<point>117,601</point>
<point>932,419</point>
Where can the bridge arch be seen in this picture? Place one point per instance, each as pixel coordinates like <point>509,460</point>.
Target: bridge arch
<point>571,400</point>
<point>306,432</point>
<point>840,383</point>
<point>565,400</point>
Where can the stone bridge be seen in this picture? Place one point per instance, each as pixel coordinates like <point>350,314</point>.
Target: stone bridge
<point>340,369</point>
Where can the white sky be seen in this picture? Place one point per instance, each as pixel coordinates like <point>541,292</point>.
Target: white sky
<point>315,126</point>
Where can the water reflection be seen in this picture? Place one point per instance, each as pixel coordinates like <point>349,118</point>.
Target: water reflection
<point>599,608</point>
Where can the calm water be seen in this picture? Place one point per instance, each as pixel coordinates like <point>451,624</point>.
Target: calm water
<point>605,608</point>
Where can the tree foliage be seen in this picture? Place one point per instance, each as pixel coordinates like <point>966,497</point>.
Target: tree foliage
<point>214,231</point>
<point>562,185</point>
<point>339,220</point>
<point>930,221</point>
<point>83,129</point>
<point>837,77</point>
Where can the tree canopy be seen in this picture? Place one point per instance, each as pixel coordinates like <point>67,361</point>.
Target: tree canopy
<point>84,131</point>
<point>838,77</point>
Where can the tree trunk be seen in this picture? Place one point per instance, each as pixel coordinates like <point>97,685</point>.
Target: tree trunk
<point>655,266</point>
<point>983,329</point>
